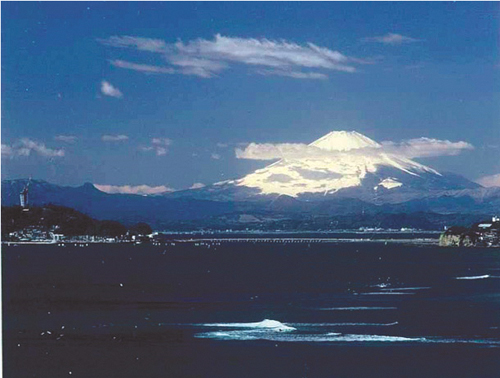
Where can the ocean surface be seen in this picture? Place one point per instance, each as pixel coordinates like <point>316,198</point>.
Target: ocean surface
<point>232,309</point>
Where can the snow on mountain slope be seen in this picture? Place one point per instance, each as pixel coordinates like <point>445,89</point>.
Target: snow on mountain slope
<point>348,158</point>
<point>344,141</point>
<point>388,183</point>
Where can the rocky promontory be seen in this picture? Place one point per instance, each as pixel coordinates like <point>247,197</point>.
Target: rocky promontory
<point>481,234</point>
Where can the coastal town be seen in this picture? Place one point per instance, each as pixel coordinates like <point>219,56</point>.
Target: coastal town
<point>52,224</point>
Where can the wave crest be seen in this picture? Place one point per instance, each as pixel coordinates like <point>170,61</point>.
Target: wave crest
<point>267,324</point>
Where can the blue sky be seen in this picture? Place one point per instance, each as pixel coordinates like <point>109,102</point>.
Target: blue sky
<point>161,94</point>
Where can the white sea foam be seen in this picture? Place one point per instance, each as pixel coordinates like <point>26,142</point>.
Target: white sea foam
<point>375,338</point>
<point>381,285</point>
<point>334,337</point>
<point>474,277</point>
<point>387,293</point>
<point>356,308</point>
<point>343,324</point>
<point>265,324</point>
<point>272,330</point>
<point>294,337</point>
<point>405,288</point>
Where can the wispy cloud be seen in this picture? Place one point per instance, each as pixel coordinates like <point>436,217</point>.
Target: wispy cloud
<point>197,185</point>
<point>271,151</point>
<point>413,148</point>
<point>391,39</point>
<point>489,181</point>
<point>294,74</point>
<point>130,189</point>
<point>109,90</point>
<point>7,150</point>
<point>159,145</point>
<point>146,68</point>
<point>144,44</point>
<point>114,138</point>
<point>66,138</point>
<point>215,156</point>
<point>207,58</point>
<point>427,147</point>
<point>25,147</point>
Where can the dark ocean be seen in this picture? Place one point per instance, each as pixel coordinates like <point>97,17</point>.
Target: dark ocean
<point>352,309</point>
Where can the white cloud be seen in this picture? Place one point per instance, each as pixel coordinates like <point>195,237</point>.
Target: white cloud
<point>197,185</point>
<point>7,150</point>
<point>66,138</point>
<point>294,74</point>
<point>488,181</point>
<point>427,147</point>
<point>222,145</point>
<point>161,141</point>
<point>160,151</point>
<point>215,156</point>
<point>271,151</point>
<point>26,146</point>
<point>109,90</point>
<point>206,58</point>
<point>159,145</point>
<point>391,39</point>
<point>413,148</point>
<point>146,68</point>
<point>114,138</point>
<point>145,44</point>
<point>129,189</point>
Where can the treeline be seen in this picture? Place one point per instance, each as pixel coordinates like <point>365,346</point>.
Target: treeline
<point>64,220</point>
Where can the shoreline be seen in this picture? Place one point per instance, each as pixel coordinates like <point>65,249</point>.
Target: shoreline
<point>267,240</point>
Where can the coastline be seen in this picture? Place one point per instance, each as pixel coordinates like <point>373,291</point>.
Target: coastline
<point>242,239</point>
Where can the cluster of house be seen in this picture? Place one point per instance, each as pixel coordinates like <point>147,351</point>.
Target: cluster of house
<point>34,234</point>
<point>482,234</point>
<point>488,233</point>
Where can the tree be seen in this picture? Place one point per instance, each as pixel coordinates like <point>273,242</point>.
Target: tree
<point>110,228</point>
<point>141,229</point>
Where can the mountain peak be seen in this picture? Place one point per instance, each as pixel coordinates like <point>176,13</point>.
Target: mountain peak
<point>350,160</point>
<point>344,141</point>
<point>89,187</point>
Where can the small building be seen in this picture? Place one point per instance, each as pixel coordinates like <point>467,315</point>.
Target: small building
<point>484,226</point>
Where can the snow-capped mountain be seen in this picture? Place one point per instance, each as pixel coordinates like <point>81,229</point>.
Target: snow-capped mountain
<point>343,164</point>
<point>339,160</point>
<point>340,174</point>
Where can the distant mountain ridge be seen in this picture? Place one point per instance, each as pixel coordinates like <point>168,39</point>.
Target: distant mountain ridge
<point>264,212</point>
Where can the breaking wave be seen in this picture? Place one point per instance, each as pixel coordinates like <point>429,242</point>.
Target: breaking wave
<point>265,324</point>
<point>298,337</point>
<point>334,337</point>
<point>273,330</point>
